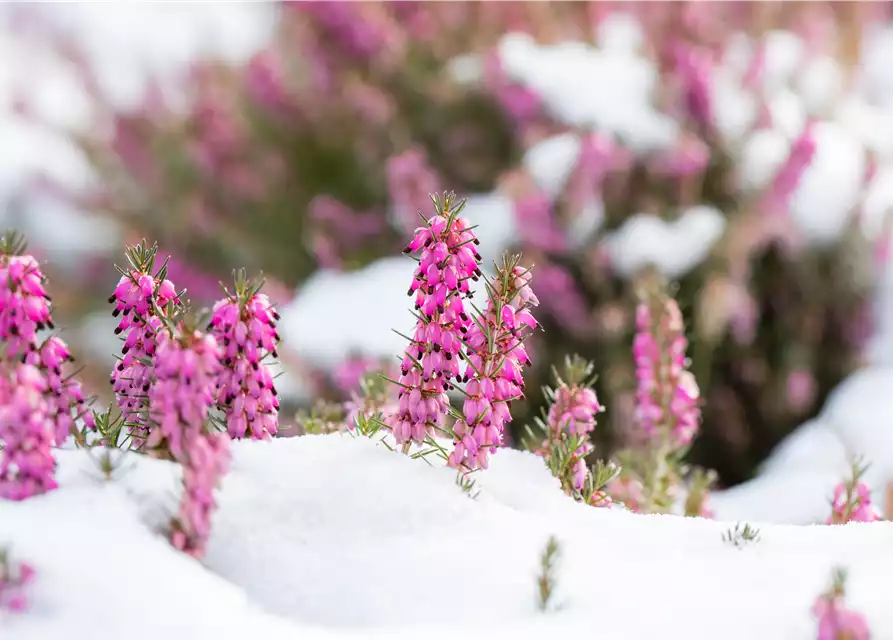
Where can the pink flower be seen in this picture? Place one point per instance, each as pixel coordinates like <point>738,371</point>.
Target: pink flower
<point>536,223</point>
<point>448,261</point>
<point>569,421</point>
<point>835,621</point>
<point>27,466</point>
<point>187,367</point>
<point>410,180</point>
<point>141,300</point>
<point>24,303</point>
<point>65,397</point>
<point>245,326</point>
<point>494,360</point>
<point>667,393</point>
<point>778,195</point>
<point>14,578</point>
<point>628,491</point>
<point>206,462</point>
<point>693,68</point>
<point>852,500</point>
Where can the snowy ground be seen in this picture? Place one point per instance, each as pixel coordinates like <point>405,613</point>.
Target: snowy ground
<point>335,537</point>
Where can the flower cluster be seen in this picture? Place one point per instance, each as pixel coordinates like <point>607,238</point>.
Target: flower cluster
<point>666,412</point>
<point>187,366</point>
<point>186,370</point>
<point>27,466</point>
<point>36,400</point>
<point>430,363</point>
<point>14,578</point>
<point>835,620</point>
<point>142,300</point>
<point>244,324</point>
<point>24,303</point>
<point>207,462</point>
<point>852,500</point>
<point>65,397</point>
<point>570,420</point>
<point>495,357</point>
<point>667,393</point>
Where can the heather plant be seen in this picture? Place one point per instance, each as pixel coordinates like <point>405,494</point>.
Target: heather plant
<point>835,620</point>
<point>430,365</point>
<point>337,131</point>
<point>39,405</point>
<point>494,358</point>
<point>546,580</point>
<point>667,412</point>
<point>14,580</point>
<point>852,499</point>
<point>739,537</point>
<point>143,299</point>
<point>244,324</point>
<point>567,425</point>
<point>187,367</point>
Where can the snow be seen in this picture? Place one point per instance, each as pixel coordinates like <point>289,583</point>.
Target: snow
<point>336,537</point>
<point>830,187</point>
<point>673,247</point>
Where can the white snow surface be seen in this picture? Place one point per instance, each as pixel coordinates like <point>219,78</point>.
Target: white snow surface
<point>336,537</point>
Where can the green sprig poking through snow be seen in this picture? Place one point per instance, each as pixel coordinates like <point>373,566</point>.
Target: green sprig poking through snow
<point>740,536</point>
<point>546,579</point>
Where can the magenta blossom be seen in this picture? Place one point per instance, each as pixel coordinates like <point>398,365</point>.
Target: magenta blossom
<point>836,622</point>
<point>447,263</point>
<point>141,299</point>
<point>667,395</point>
<point>852,500</point>
<point>14,578</point>
<point>206,462</point>
<point>245,326</point>
<point>187,366</point>
<point>495,358</point>
<point>27,467</point>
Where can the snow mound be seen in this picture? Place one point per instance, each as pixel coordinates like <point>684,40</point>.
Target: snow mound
<point>331,536</point>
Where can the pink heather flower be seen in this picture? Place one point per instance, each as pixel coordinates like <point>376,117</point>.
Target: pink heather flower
<point>522,103</point>
<point>598,157</point>
<point>25,310</point>
<point>265,80</point>
<point>64,396</point>
<point>667,393</point>
<point>536,223</point>
<point>852,500</point>
<point>562,299</point>
<point>27,466</point>
<point>139,298</point>
<point>835,621</point>
<point>24,303</point>
<point>187,368</point>
<point>568,424</point>
<point>348,374</point>
<point>495,357</point>
<point>689,158</point>
<point>694,67</point>
<point>206,462</point>
<point>778,195</point>
<point>245,326</point>
<point>628,491</point>
<point>14,578</point>
<point>430,363</point>
<point>348,28</point>
<point>410,180</point>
